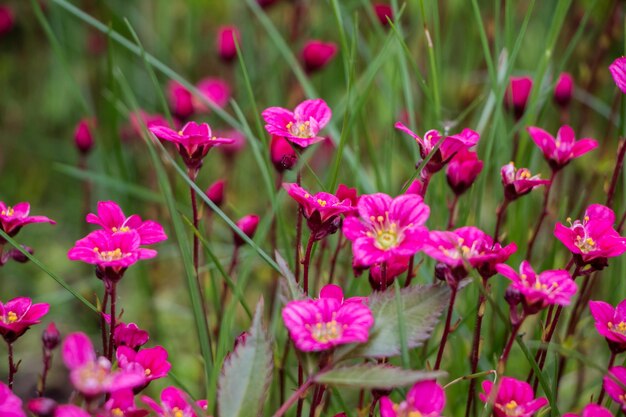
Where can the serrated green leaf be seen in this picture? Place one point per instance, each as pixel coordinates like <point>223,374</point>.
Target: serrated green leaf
<point>247,373</point>
<point>422,306</point>
<point>373,376</point>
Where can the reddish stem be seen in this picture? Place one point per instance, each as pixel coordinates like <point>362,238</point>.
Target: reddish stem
<point>296,396</point>
<point>298,235</point>
<point>480,312</point>
<point>333,261</point>
<point>446,330</point>
<point>47,360</point>
<point>103,323</point>
<point>113,295</point>
<point>609,366</point>
<point>452,208</point>
<point>500,218</point>
<point>12,367</point>
<point>409,272</point>
<point>307,262</point>
<point>619,163</point>
<point>542,216</point>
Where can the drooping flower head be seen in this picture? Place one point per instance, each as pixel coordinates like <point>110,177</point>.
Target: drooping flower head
<point>112,219</point>
<point>387,227</point>
<point>610,323</point>
<point>326,322</point>
<point>591,410</point>
<point>554,287</point>
<point>563,89</point>
<point>393,268</point>
<point>248,225</point>
<point>12,219</point>
<point>180,99</point>
<point>614,383</point>
<point>594,239</point>
<point>227,39</point>
<point>17,315</point>
<point>174,402</point>
<point>514,398</point>
<point>317,54</point>
<point>517,94</point>
<point>462,170</point>
<point>153,361</point>
<point>560,151</point>
<point>215,192</point>
<point>519,182</point>
<point>215,91</point>
<point>282,154</point>
<point>382,12</point>
<point>300,126</point>
<point>7,20</point>
<point>425,399</point>
<point>321,210</point>
<point>91,375</point>
<point>193,142</point>
<point>449,146</point>
<point>10,404</point>
<point>618,71</point>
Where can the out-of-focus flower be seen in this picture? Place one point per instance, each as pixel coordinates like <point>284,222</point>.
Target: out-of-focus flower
<point>180,99</point>
<point>560,151</point>
<point>248,225</point>
<point>83,137</point>
<point>519,182</point>
<point>230,150</point>
<point>282,154</point>
<point>112,219</point>
<point>382,12</point>
<point>12,219</point>
<point>618,71</point>
<point>70,410</point>
<point>227,39</point>
<point>17,315</point>
<point>215,192</point>
<point>267,3</point>
<point>7,20</point>
<point>42,406</point>
<point>215,90</point>
<point>317,54</point>
<point>153,361</point>
<point>517,93</point>
<point>174,402</point>
<point>610,323</point>
<point>564,89</point>
<point>302,126</point>
<point>514,398</point>
<point>615,389</point>
<point>591,410</point>
<point>122,404</point>
<point>425,398</point>
<point>462,170</point>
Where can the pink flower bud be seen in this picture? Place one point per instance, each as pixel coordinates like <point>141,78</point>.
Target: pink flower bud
<point>282,154</point>
<point>7,21</point>
<point>416,187</point>
<point>180,99</point>
<point>317,54</point>
<point>383,11</point>
<point>463,170</point>
<point>564,89</point>
<point>517,93</point>
<point>42,407</point>
<point>51,336</point>
<point>248,225</point>
<point>83,138</point>
<point>215,192</point>
<point>227,39</point>
<point>215,90</point>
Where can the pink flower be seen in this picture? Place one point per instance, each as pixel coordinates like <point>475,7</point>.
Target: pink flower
<point>387,228</point>
<point>174,402</point>
<point>18,314</point>
<point>7,21</point>
<point>83,138</point>
<point>618,71</point>
<point>136,122</point>
<point>302,126</point>
<point>462,170</point>
<point>153,361</point>
<point>122,404</point>
<point>180,99</point>
<point>593,239</point>
<point>215,90</point>
<point>282,154</point>
<point>51,337</point>
<point>560,151</point>
<point>450,145</point>
<point>193,142</point>
<point>317,54</point>
<point>42,406</point>
<point>610,323</point>
<point>394,268</point>
<point>112,219</point>
<point>346,193</point>
<point>248,225</point>
<point>10,404</point>
<point>592,410</point>
<point>91,375</point>
<point>227,39</point>
<point>129,335</point>
<point>12,219</point>
<point>514,398</point>
<point>519,182</point>
<point>215,192</point>
<point>563,89</point>
<point>322,210</point>
<point>382,12</point>
<point>416,187</point>
<point>326,322</point>
<point>70,411</point>
<point>614,388</point>
<point>425,399</point>
<point>554,287</point>
<point>517,93</point>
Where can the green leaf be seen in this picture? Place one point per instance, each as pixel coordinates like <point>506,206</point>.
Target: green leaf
<point>291,289</point>
<point>422,306</point>
<point>374,376</point>
<point>247,373</point>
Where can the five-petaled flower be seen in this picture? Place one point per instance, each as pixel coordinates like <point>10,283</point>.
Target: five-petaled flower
<point>424,399</point>
<point>387,228</point>
<point>610,323</point>
<point>591,410</point>
<point>17,315</point>
<point>153,361</point>
<point>519,182</point>
<point>12,219</point>
<point>560,151</point>
<point>300,126</point>
<point>174,402</point>
<point>328,321</point>
<point>513,399</point>
<point>10,404</point>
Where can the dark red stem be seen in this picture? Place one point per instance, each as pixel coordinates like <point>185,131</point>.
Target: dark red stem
<point>298,235</point>
<point>113,296</point>
<point>500,218</point>
<point>446,329</point>
<point>452,208</point>
<point>542,216</point>
<point>480,312</point>
<point>12,367</point>
<point>307,263</point>
<point>619,163</point>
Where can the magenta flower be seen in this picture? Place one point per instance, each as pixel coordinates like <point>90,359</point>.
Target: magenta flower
<point>563,89</point>
<point>449,146</point>
<point>618,71</point>
<point>139,120</point>
<point>514,398</point>
<point>70,410</point>
<point>394,268</point>
<point>248,225</point>
<point>83,138</point>
<point>519,182</point>
<point>593,239</point>
<point>17,315</point>
<point>614,388</point>
<point>517,94</point>
<point>425,399</point>
<point>317,54</point>
<point>382,12</point>
<point>129,335</point>
<point>227,39</point>
<point>302,126</point>
<point>610,323</point>
<point>10,404</point>
<point>153,361</point>
<point>560,151</point>
<point>51,337</point>
<point>326,322</point>
<point>122,404</point>
<point>215,192</point>
<point>193,142</point>
<point>180,99</point>
<point>91,375</point>
<point>387,228</point>
<point>112,219</point>
<point>321,210</point>
<point>462,170</point>
<point>174,402</point>
<point>591,410</point>
<point>215,90</point>
<point>7,20</point>
<point>12,219</point>
<point>554,287</point>
<point>282,154</point>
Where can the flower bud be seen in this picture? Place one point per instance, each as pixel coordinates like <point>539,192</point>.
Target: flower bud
<point>248,225</point>
<point>18,256</point>
<point>7,21</point>
<point>416,187</point>
<point>51,337</point>
<point>517,93</point>
<point>462,171</point>
<point>563,89</point>
<point>282,154</point>
<point>180,100</point>
<point>228,37</point>
<point>83,138</point>
<point>42,407</point>
<point>383,11</point>
<point>395,267</point>
<point>317,54</point>
<point>215,192</point>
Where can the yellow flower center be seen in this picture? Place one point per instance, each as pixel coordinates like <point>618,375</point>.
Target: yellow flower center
<point>620,327</point>
<point>147,372</point>
<point>11,317</point>
<point>385,232</point>
<point>177,412</point>
<point>324,332</point>
<point>8,212</point>
<point>401,410</point>
<point>110,255</point>
<point>511,408</point>
<point>300,129</point>
<point>117,412</point>
<point>121,229</point>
